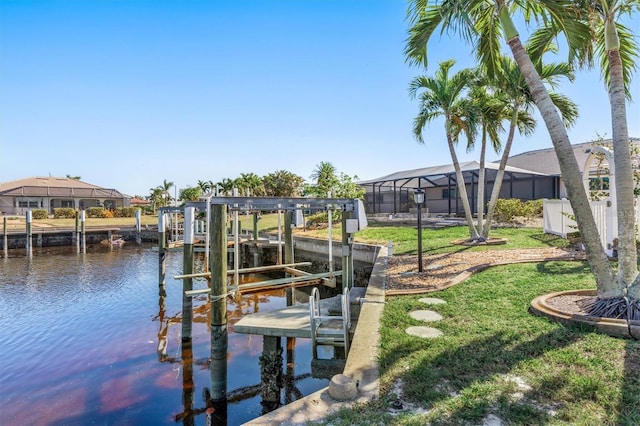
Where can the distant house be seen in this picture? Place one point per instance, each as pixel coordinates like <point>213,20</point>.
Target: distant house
<point>49,193</point>
<point>139,202</point>
<point>528,176</point>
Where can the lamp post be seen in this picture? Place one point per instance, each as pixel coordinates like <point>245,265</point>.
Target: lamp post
<point>418,197</point>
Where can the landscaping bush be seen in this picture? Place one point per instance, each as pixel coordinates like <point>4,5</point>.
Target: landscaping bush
<point>108,214</point>
<point>125,212</point>
<point>39,214</point>
<point>64,213</point>
<point>95,212</point>
<point>535,207</point>
<point>507,210</point>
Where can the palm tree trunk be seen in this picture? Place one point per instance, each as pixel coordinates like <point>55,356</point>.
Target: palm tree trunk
<point>497,185</point>
<point>608,287</point>
<point>481,184</point>
<point>624,184</point>
<point>462,189</point>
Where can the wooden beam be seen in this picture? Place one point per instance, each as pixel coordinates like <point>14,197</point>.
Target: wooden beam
<point>245,270</point>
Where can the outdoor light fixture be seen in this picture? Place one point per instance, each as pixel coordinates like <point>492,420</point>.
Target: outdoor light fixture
<point>418,197</point>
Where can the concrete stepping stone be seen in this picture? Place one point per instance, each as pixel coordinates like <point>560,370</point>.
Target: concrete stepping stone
<point>425,315</point>
<point>424,332</point>
<point>431,301</point>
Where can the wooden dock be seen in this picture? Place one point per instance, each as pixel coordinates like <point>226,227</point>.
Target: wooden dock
<point>292,321</point>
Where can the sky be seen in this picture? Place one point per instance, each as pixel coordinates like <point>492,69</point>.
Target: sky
<point>129,93</point>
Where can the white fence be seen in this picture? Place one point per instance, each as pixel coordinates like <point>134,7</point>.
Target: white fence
<point>557,215</point>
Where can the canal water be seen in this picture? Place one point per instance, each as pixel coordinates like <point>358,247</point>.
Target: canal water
<point>86,339</point>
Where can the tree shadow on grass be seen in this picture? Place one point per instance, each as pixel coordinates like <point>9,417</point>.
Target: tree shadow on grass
<point>464,376</point>
<point>629,406</point>
<point>562,268</point>
<point>551,240</point>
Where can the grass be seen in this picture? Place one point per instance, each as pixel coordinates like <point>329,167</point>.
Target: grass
<point>435,241</point>
<point>496,358</point>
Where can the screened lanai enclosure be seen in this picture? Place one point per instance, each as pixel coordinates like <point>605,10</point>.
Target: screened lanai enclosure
<point>393,194</point>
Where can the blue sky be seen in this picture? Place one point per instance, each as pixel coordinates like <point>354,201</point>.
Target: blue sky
<point>128,93</point>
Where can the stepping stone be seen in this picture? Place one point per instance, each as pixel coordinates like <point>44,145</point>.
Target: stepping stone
<point>425,315</point>
<point>431,301</point>
<point>434,267</point>
<point>425,332</point>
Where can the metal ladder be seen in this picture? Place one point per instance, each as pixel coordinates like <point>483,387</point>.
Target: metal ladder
<point>331,330</point>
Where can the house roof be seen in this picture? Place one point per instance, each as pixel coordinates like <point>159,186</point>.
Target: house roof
<point>545,160</point>
<point>438,175</point>
<point>50,186</point>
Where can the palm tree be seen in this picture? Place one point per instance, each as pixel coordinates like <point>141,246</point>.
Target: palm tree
<point>165,187</point>
<point>616,49</point>
<point>205,186</point>
<point>444,96</point>
<point>485,22</point>
<point>510,87</point>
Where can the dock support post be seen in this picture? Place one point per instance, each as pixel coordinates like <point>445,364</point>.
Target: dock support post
<point>138,227</point>
<point>288,248</point>
<point>82,231</point>
<point>187,268</point>
<point>347,262</point>
<point>29,242</point>
<point>271,373</point>
<point>5,237</point>
<point>279,235</point>
<point>218,297</point>
<point>75,236</point>
<point>255,226</point>
<point>162,244</point>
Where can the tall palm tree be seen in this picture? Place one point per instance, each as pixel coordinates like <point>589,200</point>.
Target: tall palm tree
<point>485,22</point>
<point>617,50</point>
<point>509,85</point>
<point>445,96</point>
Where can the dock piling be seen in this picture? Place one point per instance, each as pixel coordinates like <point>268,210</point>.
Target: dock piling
<point>218,297</point>
<point>162,244</point>
<point>29,243</point>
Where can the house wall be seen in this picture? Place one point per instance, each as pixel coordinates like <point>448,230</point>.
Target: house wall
<point>20,205</point>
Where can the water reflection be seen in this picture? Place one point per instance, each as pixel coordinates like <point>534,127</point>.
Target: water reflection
<point>87,339</point>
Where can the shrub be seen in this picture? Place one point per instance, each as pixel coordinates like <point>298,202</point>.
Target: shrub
<point>507,210</point>
<point>125,212</point>
<point>108,214</point>
<point>64,213</point>
<point>535,207</point>
<point>95,212</point>
<point>39,214</point>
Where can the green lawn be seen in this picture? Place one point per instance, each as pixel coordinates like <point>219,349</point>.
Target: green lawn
<point>496,358</point>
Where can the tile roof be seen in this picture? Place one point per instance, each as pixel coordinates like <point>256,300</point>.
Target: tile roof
<point>39,186</point>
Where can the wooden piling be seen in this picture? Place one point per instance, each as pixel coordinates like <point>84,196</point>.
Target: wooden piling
<point>218,297</point>
<point>29,242</point>
<point>187,268</point>
<point>76,235</point>
<point>138,227</point>
<point>255,226</point>
<point>5,237</point>
<point>347,264</point>
<point>82,231</point>
<point>288,249</point>
<point>271,373</point>
<point>162,245</point>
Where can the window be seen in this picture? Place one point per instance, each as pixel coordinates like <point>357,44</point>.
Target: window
<point>599,184</point>
<point>28,204</point>
<point>449,194</point>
